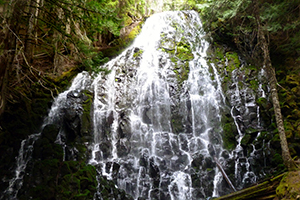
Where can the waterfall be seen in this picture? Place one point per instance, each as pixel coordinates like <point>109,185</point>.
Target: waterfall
<point>55,115</point>
<point>156,118</point>
<point>151,121</point>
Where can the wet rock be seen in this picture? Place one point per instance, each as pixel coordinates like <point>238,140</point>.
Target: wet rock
<point>105,147</point>
<point>197,161</point>
<point>211,150</point>
<point>208,163</point>
<point>154,173</point>
<point>50,132</point>
<point>123,147</point>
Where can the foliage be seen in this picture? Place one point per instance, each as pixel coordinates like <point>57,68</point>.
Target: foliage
<point>92,59</point>
<point>102,17</point>
<point>257,28</point>
<point>234,21</point>
<point>48,38</point>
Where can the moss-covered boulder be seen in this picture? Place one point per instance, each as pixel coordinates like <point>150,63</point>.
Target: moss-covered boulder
<point>54,179</point>
<point>289,187</point>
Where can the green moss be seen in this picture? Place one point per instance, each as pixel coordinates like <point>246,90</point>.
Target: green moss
<point>233,61</point>
<point>183,51</point>
<point>182,71</point>
<point>254,85</point>
<point>80,181</point>
<point>176,122</point>
<point>138,54</point>
<point>229,141</point>
<point>245,140</point>
<point>289,187</point>
<point>219,54</point>
<point>86,115</point>
<point>174,60</point>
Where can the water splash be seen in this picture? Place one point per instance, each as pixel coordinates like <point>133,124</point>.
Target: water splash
<point>136,105</point>
<point>156,115</point>
<point>81,82</point>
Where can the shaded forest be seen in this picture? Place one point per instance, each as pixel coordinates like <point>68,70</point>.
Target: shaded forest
<point>45,43</point>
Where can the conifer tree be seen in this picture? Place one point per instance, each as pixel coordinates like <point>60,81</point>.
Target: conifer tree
<point>60,29</point>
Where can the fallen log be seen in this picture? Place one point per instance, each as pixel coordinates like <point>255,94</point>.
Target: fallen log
<point>212,153</point>
<point>224,174</point>
<point>262,191</point>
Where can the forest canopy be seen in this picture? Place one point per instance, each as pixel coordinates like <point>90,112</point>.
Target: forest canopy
<point>234,22</point>
<point>45,38</point>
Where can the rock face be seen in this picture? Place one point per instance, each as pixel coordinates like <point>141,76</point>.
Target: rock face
<point>248,123</point>
<point>152,128</point>
<point>167,103</point>
<point>52,164</point>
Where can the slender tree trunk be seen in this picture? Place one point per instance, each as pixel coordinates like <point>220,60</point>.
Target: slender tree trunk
<point>31,35</point>
<point>288,161</point>
<point>11,27</point>
<point>30,29</point>
<point>39,4</point>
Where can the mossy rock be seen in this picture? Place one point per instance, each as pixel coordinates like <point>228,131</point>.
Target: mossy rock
<point>233,61</point>
<point>45,149</point>
<point>176,122</point>
<point>181,69</point>
<point>138,53</point>
<point>184,51</point>
<point>229,130</point>
<point>86,115</point>
<point>289,187</point>
<point>108,190</point>
<point>245,140</point>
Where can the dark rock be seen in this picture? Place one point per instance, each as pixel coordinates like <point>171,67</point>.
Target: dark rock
<point>50,132</point>
<point>105,147</point>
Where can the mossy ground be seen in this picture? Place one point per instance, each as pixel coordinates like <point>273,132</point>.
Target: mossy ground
<point>289,187</point>
<point>288,76</point>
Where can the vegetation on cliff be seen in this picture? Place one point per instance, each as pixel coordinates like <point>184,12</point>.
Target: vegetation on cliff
<point>45,43</point>
<point>264,32</point>
<point>257,31</point>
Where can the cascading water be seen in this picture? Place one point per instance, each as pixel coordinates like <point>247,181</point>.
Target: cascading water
<point>54,117</point>
<point>157,118</point>
<point>138,104</point>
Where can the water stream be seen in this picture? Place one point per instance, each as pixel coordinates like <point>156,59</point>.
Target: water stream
<point>142,99</point>
<point>156,117</point>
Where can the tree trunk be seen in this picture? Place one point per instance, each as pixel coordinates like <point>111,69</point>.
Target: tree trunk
<point>11,27</point>
<point>31,35</point>
<point>288,161</point>
<point>224,174</point>
<point>262,191</point>
<point>30,29</point>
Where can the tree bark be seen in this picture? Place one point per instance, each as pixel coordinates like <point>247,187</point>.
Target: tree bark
<point>287,160</point>
<point>33,7</point>
<point>224,174</point>
<point>262,191</point>
<point>11,27</point>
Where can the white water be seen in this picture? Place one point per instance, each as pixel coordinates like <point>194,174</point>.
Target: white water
<point>157,162</point>
<point>133,112</point>
<point>80,83</point>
